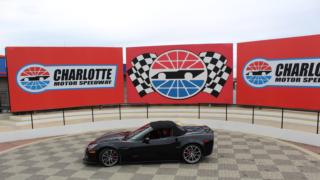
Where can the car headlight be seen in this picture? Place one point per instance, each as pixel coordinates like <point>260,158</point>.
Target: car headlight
<point>92,145</point>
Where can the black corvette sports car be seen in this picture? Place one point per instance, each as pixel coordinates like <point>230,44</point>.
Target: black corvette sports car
<point>156,141</point>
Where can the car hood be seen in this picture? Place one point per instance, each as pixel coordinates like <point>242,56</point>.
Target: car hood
<point>197,129</point>
<point>112,136</point>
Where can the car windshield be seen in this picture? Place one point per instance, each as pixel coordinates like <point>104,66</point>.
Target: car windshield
<point>180,128</point>
<point>134,133</point>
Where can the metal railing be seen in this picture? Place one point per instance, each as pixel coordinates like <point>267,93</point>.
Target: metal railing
<point>199,114</point>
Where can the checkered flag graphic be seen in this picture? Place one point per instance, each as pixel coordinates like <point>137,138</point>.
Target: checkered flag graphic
<point>218,72</point>
<point>139,73</point>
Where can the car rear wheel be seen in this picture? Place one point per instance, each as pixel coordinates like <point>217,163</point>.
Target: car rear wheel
<point>109,157</point>
<point>191,153</point>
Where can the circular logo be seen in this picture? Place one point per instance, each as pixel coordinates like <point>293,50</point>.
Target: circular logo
<point>33,78</point>
<point>257,73</point>
<point>178,74</point>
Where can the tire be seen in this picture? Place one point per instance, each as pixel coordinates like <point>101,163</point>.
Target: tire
<point>109,157</point>
<point>191,153</point>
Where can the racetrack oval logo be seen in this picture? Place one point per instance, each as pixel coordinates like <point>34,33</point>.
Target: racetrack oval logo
<point>178,74</point>
<point>33,78</point>
<point>37,78</point>
<point>257,73</point>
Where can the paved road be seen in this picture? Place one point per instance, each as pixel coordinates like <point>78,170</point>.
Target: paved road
<point>236,155</point>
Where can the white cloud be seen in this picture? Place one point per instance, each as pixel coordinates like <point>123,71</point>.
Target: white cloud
<point>152,22</point>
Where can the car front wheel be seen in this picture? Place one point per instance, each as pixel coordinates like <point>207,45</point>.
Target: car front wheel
<point>109,157</point>
<point>191,154</point>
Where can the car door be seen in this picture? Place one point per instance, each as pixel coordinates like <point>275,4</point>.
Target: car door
<point>157,148</point>
<point>164,148</point>
<point>142,150</point>
<point>136,151</point>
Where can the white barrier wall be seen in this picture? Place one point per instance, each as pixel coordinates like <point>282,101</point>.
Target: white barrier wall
<point>293,120</point>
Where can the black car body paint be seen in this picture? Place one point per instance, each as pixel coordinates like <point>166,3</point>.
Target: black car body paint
<point>155,150</point>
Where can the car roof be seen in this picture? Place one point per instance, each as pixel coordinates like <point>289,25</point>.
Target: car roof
<point>167,124</point>
<point>162,124</point>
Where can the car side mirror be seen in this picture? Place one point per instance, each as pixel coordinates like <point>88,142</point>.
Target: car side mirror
<point>146,140</point>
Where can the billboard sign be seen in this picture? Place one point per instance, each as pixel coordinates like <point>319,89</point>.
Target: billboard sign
<point>180,74</point>
<point>280,73</point>
<point>49,78</point>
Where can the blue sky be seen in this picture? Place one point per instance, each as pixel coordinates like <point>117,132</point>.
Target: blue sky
<point>152,22</point>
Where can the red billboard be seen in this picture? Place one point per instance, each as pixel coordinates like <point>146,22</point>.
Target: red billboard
<point>280,73</point>
<point>43,78</point>
<point>180,74</point>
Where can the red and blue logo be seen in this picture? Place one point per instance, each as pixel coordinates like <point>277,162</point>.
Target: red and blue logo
<point>33,78</point>
<point>257,73</point>
<point>178,74</point>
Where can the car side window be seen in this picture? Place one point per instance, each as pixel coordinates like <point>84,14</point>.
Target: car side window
<point>142,134</point>
<point>160,133</point>
<point>166,132</point>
